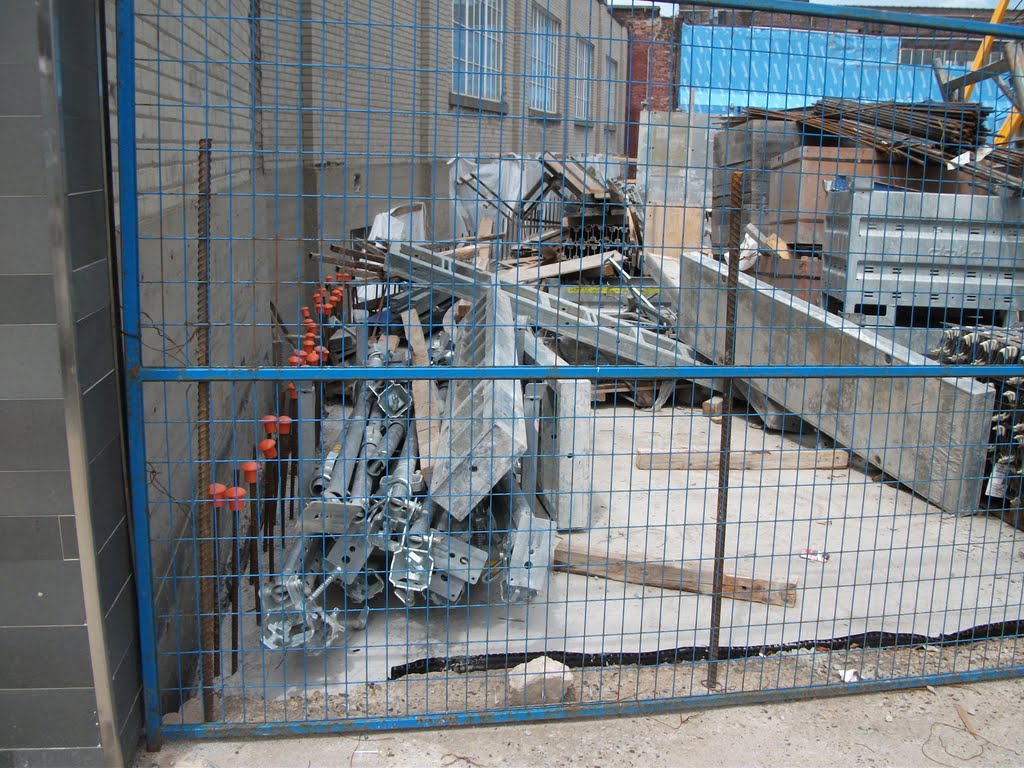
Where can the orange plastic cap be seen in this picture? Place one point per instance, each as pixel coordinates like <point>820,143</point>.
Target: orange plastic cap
<point>294,360</point>
<point>285,424</point>
<point>250,469</point>
<point>217,491</point>
<point>305,311</point>
<point>268,448</point>
<point>328,278</point>
<point>317,298</point>
<point>308,344</point>
<point>236,498</point>
<point>269,423</point>
<point>312,359</point>
<point>293,393</point>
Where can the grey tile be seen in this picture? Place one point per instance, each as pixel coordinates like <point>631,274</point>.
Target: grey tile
<point>31,362</point>
<point>70,718</point>
<point>83,154</point>
<point>25,245</point>
<point>36,493</point>
<point>33,437</point>
<point>132,729</point>
<point>107,498</point>
<point>81,91</point>
<point>18,38</point>
<point>68,537</point>
<point>87,228</point>
<point>127,683</point>
<point>41,593</point>
<point>101,411</point>
<point>77,32</point>
<point>90,289</point>
<point>114,566</point>
<point>27,299</point>
<point>30,538</point>
<point>45,657</point>
<point>95,338</point>
<point>21,156</point>
<point>17,94</point>
<point>81,757</point>
<point>121,625</point>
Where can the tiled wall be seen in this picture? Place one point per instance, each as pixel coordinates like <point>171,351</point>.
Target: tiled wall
<point>48,701</point>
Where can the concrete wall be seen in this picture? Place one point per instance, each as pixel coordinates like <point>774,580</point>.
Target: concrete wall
<point>69,684</point>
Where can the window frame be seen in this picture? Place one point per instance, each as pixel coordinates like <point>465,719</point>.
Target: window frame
<point>582,79</point>
<point>542,75</point>
<point>478,51</point>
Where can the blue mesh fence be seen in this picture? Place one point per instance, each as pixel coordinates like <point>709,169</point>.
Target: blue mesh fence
<point>501,360</point>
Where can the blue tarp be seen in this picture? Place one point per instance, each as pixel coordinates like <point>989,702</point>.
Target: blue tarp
<point>729,68</point>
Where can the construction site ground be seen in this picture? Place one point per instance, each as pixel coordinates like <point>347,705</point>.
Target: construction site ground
<point>874,532</point>
<point>918,727</point>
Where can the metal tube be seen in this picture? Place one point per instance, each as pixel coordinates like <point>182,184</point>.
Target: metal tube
<point>319,483</point>
<point>204,525</point>
<point>724,446</point>
<point>350,446</point>
<point>376,464</point>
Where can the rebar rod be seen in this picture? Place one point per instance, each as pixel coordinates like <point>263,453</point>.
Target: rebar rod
<point>725,441</point>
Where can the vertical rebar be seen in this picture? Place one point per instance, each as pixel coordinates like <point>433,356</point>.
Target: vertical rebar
<point>204,526</point>
<point>725,441</point>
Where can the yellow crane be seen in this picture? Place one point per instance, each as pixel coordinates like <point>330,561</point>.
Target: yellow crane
<point>1013,121</point>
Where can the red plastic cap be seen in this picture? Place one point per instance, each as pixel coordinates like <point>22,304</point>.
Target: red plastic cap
<point>250,469</point>
<point>322,351</point>
<point>328,278</point>
<point>268,448</point>
<point>217,491</point>
<point>236,498</point>
<point>293,393</point>
<point>284,424</point>
<point>313,359</point>
<point>304,311</point>
<point>294,360</point>
<point>308,344</point>
<point>317,298</point>
<point>269,423</point>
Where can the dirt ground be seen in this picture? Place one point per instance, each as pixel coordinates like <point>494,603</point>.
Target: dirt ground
<point>918,727</point>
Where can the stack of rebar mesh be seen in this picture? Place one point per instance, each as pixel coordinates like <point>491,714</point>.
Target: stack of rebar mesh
<point>922,133</point>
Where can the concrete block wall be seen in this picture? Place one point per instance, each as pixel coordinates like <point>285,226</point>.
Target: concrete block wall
<point>390,122</point>
<point>70,682</point>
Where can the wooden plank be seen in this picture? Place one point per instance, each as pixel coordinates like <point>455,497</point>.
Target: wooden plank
<point>929,433</point>
<point>594,561</point>
<point>426,399</point>
<point>740,460</point>
<point>559,268</point>
<point>483,251</point>
<point>670,228</point>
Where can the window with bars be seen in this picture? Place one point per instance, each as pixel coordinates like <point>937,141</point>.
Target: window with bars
<point>477,49</point>
<point>948,57</point>
<point>542,61</point>
<point>584,56</point>
<point>613,82</point>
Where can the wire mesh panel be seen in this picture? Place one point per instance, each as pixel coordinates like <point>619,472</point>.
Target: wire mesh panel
<point>504,359</point>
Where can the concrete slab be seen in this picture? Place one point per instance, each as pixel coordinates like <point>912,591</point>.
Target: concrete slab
<point>896,563</point>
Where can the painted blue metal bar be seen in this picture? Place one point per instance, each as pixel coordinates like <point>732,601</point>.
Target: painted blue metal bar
<point>567,712</point>
<point>498,373</point>
<point>131,319</point>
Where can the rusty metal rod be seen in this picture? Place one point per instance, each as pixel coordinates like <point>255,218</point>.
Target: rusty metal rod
<point>204,525</point>
<point>725,441</point>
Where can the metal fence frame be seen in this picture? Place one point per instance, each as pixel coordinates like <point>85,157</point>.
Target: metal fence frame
<point>138,374</point>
